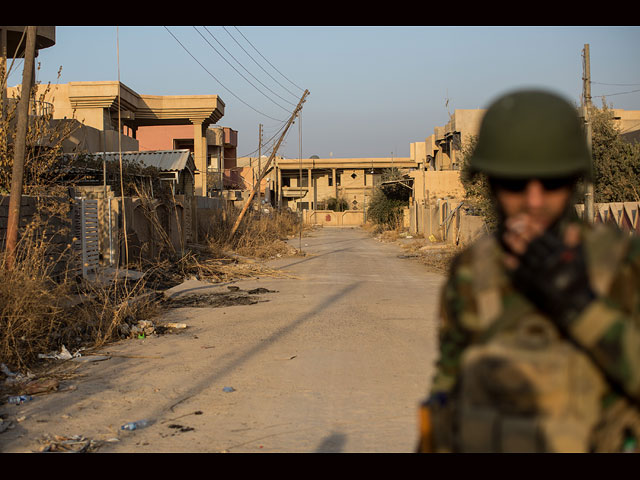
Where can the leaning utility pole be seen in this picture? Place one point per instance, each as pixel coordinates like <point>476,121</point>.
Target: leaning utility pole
<point>262,173</point>
<point>20,147</point>
<point>586,107</point>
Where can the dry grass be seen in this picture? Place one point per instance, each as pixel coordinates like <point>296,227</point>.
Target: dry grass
<point>437,257</point>
<point>39,315</point>
<point>259,236</point>
<point>42,310</point>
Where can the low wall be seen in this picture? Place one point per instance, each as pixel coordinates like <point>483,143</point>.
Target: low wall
<point>55,231</point>
<point>330,218</point>
<point>445,220</point>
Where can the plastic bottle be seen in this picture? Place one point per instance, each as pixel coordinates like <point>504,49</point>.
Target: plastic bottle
<point>135,425</point>
<point>19,399</point>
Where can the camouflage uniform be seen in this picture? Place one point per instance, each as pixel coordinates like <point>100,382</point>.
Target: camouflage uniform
<point>578,387</point>
<point>478,300</point>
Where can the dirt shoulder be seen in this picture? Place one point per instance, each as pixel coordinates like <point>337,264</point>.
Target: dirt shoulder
<point>303,356</point>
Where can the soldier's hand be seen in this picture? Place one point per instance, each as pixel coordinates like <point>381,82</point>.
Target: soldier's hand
<point>551,272</point>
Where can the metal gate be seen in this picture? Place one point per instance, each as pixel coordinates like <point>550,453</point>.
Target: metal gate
<point>86,230</point>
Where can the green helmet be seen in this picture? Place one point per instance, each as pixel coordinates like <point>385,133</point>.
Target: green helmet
<point>531,134</point>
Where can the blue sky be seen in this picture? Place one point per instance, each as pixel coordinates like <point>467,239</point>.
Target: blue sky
<point>373,90</point>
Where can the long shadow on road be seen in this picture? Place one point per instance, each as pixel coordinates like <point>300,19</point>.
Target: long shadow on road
<point>247,355</point>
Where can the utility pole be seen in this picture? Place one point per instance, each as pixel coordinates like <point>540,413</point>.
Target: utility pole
<point>266,167</point>
<point>20,146</point>
<point>586,107</point>
<point>259,165</point>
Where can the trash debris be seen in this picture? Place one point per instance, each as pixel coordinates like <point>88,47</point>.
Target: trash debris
<point>432,238</point>
<point>142,329</point>
<point>63,355</point>
<point>258,290</point>
<point>91,358</point>
<point>19,399</point>
<point>176,325</point>
<point>74,444</point>
<point>13,378</point>
<point>212,300</point>
<point>135,425</point>
<point>41,386</point>
<point>228,389</point>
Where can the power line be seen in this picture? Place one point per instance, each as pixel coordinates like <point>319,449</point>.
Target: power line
<point>204,68</point>
<point>617,84</point>
<point>267,60</point>
<point>254,61</point>
<point>266,144</point>
<point>222,56</point>
<point>613,94</point>
<point>283,99</point>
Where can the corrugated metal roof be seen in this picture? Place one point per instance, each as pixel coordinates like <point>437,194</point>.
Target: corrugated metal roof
<point>166,160</point>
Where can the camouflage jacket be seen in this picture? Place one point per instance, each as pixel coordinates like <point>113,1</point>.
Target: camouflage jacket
<point>478,292</point>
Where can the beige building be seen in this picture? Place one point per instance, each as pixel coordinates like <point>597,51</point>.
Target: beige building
<point>628,121</point>
<point>442,150</point>
<point>99,108</point>
<point>309,183</point>
<point>438,157</point>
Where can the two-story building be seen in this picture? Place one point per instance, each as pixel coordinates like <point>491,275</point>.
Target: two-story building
<point>107,116</point>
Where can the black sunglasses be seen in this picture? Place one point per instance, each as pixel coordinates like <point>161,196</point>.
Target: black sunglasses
<point>518,185</point>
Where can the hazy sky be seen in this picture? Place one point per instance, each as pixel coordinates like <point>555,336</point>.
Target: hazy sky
<point>373,90</point>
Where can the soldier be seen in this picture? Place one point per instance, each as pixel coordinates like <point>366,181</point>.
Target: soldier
<point>540,332</point>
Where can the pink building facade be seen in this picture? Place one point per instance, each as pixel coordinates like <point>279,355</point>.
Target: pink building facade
<point>221,148</point>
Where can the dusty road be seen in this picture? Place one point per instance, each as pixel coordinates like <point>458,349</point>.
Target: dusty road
<point>333,360</point>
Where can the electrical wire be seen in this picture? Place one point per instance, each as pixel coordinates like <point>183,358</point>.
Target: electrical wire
<point>267,60</point>
<point>617,84</point>
<point>266,144</point>
<point>254,61</point>
<point>231,55</point>
<point>222,56</point>
<point>221,84</point>
<point>614,94</point>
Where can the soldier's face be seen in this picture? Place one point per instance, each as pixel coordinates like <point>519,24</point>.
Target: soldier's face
<point>542,203</point>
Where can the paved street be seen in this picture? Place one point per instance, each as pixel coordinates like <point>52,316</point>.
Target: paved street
<point>333,360</point>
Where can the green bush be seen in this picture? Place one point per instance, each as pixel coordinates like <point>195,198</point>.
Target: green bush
<point>337,204</point>
<point>384,211</point>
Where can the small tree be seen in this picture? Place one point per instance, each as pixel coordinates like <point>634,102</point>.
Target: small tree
<point>389,200</point>
<point>337,204</point>
<point>616,163</point>
<point>477,191</point>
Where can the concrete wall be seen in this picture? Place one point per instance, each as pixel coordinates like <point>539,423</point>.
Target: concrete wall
<point>625,215</point>
<point>329,218</point>
<point>446,221</point>
<point>628,121</point>
<point>56,232</point>
<point>434,184</point>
